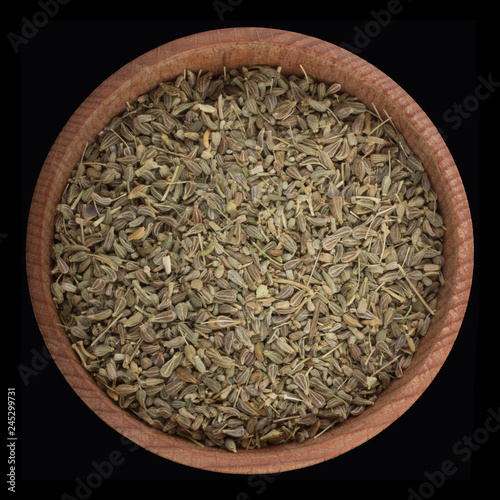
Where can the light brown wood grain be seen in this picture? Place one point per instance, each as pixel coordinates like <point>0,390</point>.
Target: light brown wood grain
<point>236,47</point>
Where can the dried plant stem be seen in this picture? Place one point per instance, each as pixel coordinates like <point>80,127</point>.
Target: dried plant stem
<point>265,254</point>
<point>416,291</point>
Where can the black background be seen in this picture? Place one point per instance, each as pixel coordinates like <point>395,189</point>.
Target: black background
<point>437,62</point>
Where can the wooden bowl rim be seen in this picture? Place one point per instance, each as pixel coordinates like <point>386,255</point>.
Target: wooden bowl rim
<point>272,459</point>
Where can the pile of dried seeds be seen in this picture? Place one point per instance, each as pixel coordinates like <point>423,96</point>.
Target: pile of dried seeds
<point>247,259</point>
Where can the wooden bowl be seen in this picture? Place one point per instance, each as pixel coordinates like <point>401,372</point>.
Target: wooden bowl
<point>230,48</point>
